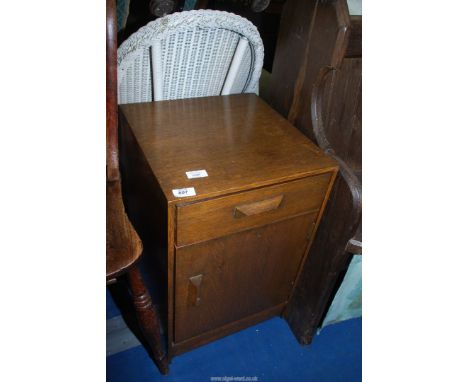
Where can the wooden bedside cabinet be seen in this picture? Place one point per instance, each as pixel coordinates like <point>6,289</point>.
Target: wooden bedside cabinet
<point>226,251</point>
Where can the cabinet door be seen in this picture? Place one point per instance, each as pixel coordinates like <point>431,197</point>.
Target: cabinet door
<point>223,280</point>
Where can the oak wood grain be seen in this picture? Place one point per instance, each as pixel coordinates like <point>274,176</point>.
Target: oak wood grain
<point>243,274</point>
<point>210,252</point>
<point>217,217</point>
<point>260,207</point>
<point>222,331</point>
<point>234,138</point>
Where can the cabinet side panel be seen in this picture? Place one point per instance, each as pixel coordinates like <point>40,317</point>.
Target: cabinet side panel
<point>145,205</point>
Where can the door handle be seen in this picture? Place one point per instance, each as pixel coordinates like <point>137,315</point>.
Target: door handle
<point>194,289</point>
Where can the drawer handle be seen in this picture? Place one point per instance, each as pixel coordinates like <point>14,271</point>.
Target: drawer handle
<point>258,207</point>
<point>194,289</point>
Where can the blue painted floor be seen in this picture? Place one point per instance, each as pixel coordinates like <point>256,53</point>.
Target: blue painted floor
<point>268,351</point>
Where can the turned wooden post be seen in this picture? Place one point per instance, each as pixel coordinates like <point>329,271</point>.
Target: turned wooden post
<point>147,317</point>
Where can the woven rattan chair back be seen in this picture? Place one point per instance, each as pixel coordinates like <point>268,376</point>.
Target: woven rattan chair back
<point>190,54</point>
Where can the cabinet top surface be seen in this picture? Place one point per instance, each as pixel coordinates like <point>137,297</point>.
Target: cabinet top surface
<point>239,140</point>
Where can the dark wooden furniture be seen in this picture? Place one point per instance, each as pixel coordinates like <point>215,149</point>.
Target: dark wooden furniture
<point>228,256</point>
<point>313,36</point>
<point>265,15</point>
<point>123,246</point>
<point>316,83</point>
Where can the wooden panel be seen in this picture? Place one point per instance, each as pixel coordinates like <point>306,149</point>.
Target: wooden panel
<point>239,140</point>
<point>355,39</point>
<point>327,259</point>
<point>290,52</point>
<point>147,210</point>
<point>341,112</point>
<point>313,35</point>
<point>336,118</point>
<point>227,329</point>
<point>241,274</point>
<point>221,216</point>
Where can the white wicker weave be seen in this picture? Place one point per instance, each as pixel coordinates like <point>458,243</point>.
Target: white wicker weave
<point>190,54</point>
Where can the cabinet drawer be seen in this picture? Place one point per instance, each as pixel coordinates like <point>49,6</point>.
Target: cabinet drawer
<point>213,218</point>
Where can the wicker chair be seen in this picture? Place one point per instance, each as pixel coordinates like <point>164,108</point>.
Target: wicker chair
<point>190,54</point>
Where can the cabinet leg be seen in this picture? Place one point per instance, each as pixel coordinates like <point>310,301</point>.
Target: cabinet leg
<point>147,318</point>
